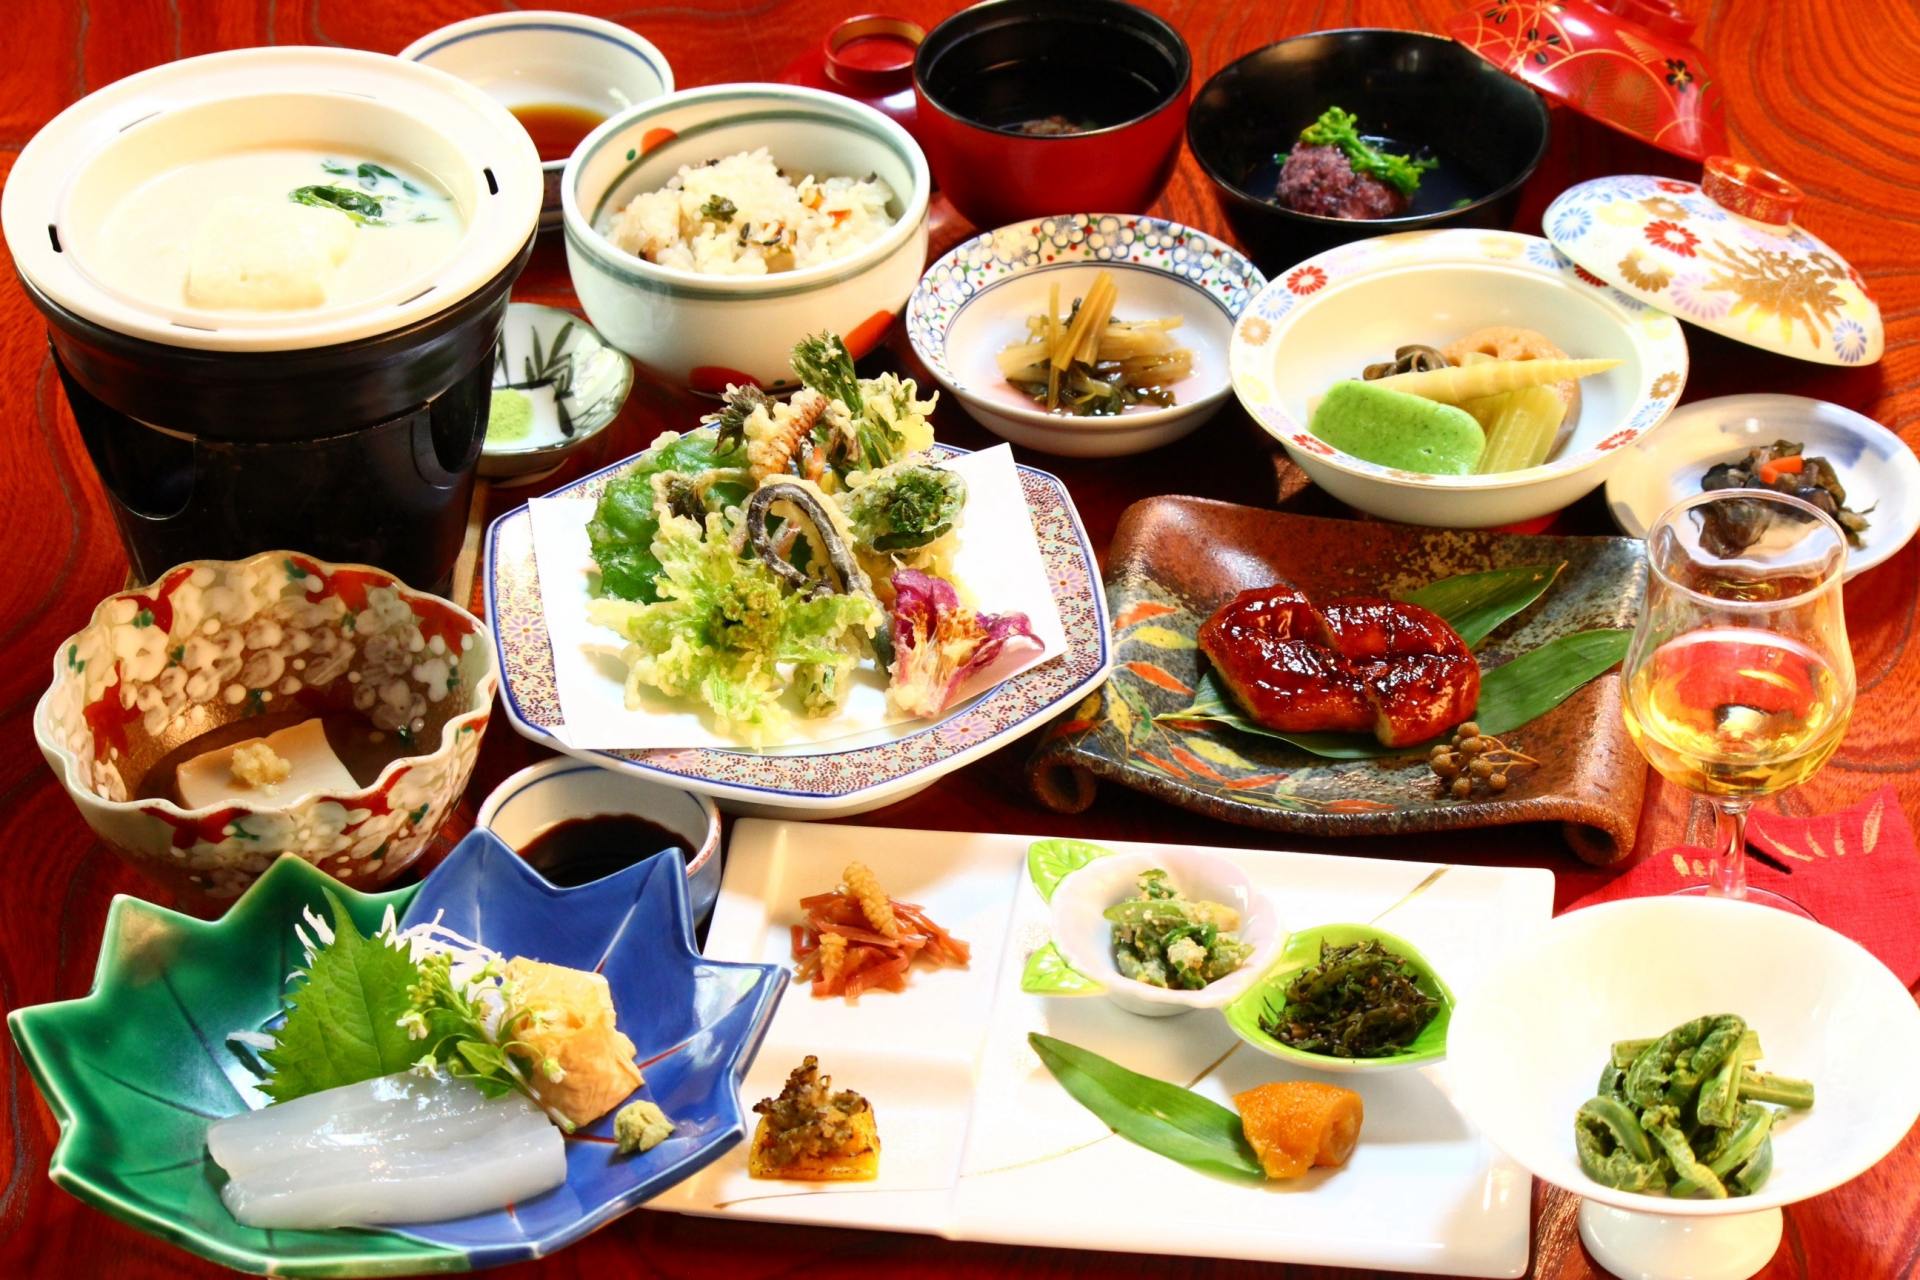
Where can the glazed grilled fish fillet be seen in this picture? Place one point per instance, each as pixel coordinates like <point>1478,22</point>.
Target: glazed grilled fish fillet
<point>396,1149</point>
<point>1359,664</point>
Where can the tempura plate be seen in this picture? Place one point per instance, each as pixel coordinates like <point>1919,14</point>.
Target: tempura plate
<point>863,773</point>
<point>979,1142</point>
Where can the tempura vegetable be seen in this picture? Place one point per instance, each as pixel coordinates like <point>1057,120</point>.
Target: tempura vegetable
<point>723,626</point>
<point>939,644</point>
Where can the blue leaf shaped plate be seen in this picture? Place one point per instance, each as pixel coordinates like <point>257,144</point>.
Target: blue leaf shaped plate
<point>138,1068</point>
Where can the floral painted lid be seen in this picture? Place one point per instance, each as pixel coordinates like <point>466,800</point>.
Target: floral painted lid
<point>1725,254</point>
<point>1630,64</point>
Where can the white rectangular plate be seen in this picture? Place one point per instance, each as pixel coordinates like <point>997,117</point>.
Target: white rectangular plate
<point>980,1143</point>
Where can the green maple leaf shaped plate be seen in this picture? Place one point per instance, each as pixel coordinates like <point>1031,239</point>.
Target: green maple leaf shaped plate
<point>137,1069</point>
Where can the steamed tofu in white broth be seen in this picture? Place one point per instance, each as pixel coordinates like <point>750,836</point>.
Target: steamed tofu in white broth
<point>276,229</point>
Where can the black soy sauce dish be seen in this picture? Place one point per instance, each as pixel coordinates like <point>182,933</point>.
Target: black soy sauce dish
<point>1411,93</point>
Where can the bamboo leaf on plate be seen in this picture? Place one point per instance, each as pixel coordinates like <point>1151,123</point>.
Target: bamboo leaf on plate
<point>1511,695</point>
<point>1475,604</point>
<point>1538,681</point>
<point>1164,1118</point>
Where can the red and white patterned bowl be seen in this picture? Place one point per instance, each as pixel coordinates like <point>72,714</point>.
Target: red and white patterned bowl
<point>211,642</point>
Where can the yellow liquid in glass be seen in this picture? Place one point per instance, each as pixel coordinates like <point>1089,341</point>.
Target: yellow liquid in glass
<point>1737,713</point>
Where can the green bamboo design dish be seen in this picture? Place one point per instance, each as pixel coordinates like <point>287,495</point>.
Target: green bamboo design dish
<point>1303,950</point>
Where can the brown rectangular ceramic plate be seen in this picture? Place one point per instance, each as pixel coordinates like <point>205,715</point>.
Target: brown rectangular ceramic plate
<point>1175,560</point>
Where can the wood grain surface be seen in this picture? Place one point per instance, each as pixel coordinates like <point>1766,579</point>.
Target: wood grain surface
<point>1825,92</point>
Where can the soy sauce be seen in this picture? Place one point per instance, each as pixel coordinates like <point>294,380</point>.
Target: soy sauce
<point>580,850</point>
<point>556,128</point>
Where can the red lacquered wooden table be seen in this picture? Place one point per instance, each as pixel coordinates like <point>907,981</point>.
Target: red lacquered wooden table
<point>1824,92</point>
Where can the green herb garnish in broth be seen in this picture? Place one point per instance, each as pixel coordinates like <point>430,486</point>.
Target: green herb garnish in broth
<point>384,198</point>
<point>361,207</point>
<point>1337,128</point>
<point>1358,1001</point>
<point>1166,940</point>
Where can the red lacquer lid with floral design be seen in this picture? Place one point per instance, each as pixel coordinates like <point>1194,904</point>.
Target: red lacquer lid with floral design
<point>1725,254</point>
<point>1630,64</point>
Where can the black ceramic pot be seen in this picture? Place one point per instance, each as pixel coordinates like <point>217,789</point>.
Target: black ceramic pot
<point>359,453</point>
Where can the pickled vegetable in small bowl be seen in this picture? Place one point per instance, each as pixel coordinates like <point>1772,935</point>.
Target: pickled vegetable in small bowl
<point>1085,931</point>
<point>1253,1011</point>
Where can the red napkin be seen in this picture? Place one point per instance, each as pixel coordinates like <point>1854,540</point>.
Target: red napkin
<point>1855,870</point>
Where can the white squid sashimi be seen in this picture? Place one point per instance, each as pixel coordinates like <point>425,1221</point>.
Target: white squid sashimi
<point>425,1112</point>
<point>394,1150</point>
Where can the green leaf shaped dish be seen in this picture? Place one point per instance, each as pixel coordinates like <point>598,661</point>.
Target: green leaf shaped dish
<point>137,1069</point>
<point>125,1069</point>
<point>1303,950</point>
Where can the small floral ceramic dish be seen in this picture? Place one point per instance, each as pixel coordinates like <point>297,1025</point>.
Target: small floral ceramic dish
<point>556,385</point>
<point>1269,993</point>
<point>533,801</point>
<point>1337,312</point>
<point>215,642</point>
<point>1878,470</point>
<point>1083,935</point>
<point>869,771</point>
<point>1723,253</point>
<point>553,63</point>
<point>706,330</point>
<point>975,301</point>
<point>136,1070</point>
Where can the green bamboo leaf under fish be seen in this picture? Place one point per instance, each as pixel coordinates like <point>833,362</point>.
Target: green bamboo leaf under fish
<point>1511,695</point>
<point>1475,604</point>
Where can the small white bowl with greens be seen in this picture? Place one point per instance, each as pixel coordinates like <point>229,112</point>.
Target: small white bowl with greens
<point>1163,933</point>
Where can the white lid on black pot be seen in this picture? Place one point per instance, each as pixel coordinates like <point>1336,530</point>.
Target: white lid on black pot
<point>139,127</point>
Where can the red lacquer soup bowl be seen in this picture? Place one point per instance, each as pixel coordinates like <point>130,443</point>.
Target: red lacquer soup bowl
<point>1030,107</point>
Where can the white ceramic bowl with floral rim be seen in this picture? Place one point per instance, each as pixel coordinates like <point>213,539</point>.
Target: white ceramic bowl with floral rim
<point>211,642</point>
<point>1341,310</point>
<point>703,330</point>
<point>866,772</point>
<point>1084,936</point>
<point>975,301</point>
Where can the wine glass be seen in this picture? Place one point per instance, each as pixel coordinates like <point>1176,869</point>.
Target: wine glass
<point>1739,678</point>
